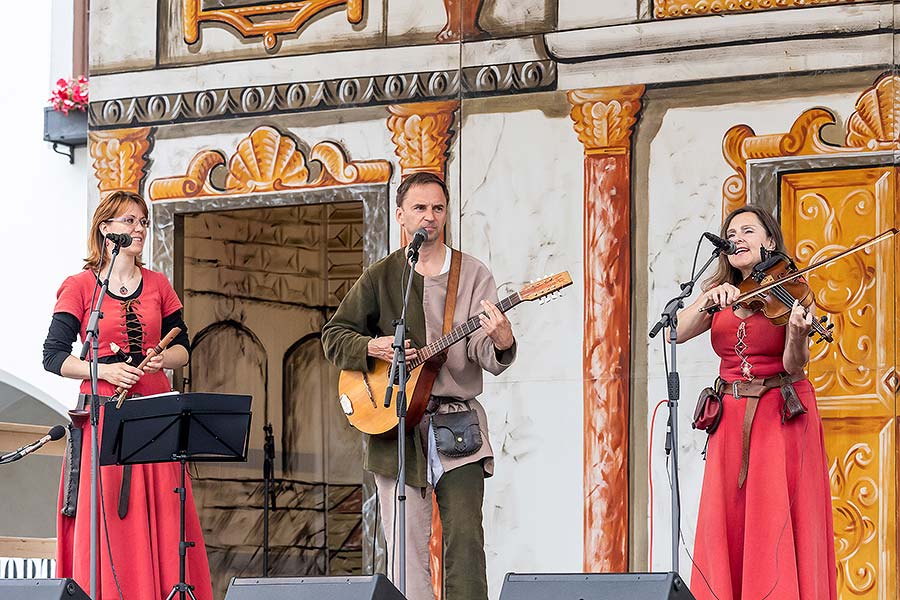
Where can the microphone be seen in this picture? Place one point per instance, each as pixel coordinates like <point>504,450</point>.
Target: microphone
<point>726,246</point>
<point>419,238</point>
<point>123,240</point>
<point>55,433</point>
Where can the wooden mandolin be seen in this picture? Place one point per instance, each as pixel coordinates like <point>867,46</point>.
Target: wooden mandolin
<point>362,394</point>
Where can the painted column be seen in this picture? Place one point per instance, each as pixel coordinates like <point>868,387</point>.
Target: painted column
<point>422,133</point>
<point>120,160</point>
<point>603,121</point>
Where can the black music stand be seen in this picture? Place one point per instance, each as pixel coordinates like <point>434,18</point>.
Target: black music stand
<point>177,427</point>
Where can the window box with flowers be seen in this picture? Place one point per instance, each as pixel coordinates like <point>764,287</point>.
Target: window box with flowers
<point>65,120</point>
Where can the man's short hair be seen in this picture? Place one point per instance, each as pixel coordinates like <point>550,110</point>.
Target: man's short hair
<point>420,178</point>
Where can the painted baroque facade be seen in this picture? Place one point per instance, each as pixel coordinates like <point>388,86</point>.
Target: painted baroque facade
<point>599,137</point>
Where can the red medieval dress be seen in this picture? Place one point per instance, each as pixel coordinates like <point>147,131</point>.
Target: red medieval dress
<point>142,547</point>
<point>773,538</point>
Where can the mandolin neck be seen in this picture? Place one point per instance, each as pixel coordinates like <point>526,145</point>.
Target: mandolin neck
<point>460,332</point>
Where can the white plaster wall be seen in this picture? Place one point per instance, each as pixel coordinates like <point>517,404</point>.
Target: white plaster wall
<point>685,190</point>
<point>122,39</point>
<point>574,14</point>
<point>521,214</point>
<point>419,21</point>
<point>43,222</point>
<point>413,21</point>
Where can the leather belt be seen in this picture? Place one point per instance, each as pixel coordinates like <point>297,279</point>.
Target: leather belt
<point>753,391</point>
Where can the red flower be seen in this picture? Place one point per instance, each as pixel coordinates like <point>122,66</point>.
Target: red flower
<point>69,94</point>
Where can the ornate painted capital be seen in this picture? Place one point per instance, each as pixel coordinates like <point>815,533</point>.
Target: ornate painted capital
<point>604,117</point>
<point>267,161</point>
<point>421,134</point>
<point>120,158</point>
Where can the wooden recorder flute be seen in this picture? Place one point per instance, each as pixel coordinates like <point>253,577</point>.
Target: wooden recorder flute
<point>79,415</point>
<point>163,343</point>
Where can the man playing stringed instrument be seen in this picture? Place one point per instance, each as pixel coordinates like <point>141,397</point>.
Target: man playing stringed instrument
<point>449,450</point>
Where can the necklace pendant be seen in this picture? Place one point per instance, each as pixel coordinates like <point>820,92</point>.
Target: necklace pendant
<point>123,290</point>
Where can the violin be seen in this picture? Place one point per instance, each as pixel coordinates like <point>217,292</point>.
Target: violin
<point>776,304</point>
<point>777,273</point>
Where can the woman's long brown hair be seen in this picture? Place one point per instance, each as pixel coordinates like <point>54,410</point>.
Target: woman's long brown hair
<point>109,208</point>
<point>725,273</point>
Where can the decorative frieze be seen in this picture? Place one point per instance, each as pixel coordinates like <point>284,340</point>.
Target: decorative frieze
<point>208,105</point>
<point>267,161</point>
<point>664,9</point>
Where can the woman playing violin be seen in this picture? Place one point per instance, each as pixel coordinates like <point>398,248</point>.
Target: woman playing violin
<point>764,528</point>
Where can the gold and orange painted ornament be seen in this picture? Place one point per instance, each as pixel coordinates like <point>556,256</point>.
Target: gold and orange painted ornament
<point>604,117</point>
<point>421,134</point>
<point>120,159</point>
<point>874,125</point>
<point>260,19</point>
<point>269,161</point>
<point>855,497</point>
<point>665,9</point>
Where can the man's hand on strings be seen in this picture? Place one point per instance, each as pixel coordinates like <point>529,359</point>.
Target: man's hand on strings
<point>382,348</point>
<point>497,326</point>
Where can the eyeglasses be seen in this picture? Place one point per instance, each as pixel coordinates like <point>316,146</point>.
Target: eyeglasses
<point>131,221</point>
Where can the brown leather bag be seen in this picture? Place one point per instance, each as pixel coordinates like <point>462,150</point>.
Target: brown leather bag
<point>708,412</point>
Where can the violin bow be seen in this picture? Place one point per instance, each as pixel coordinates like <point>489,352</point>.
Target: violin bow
<point>765,288</point>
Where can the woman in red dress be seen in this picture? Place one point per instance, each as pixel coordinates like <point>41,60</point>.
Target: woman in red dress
<point>765,527</point>
<point>139,521</point>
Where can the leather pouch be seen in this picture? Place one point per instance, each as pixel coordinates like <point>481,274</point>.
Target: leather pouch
<point>792,406</point>
<point>708,412</point>
<point>72,475</point>
<point>457,434</point>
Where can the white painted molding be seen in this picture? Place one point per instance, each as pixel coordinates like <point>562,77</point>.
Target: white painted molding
<point>665,35</point>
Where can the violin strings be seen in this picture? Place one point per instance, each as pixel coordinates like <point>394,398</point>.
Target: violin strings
<point>788,300</point>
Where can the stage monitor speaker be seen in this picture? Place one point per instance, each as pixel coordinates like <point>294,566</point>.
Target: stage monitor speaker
<point>365,587</point>
<point>41,589</point>
<point>595,586</point>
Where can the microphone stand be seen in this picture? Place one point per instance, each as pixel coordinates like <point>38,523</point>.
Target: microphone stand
<point>92,343</point>
<point>673,384</point>
<point>398,368</point>
<point>268,492</point>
